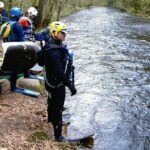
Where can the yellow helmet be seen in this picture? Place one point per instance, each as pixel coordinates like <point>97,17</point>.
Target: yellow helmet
<point>56,27</point>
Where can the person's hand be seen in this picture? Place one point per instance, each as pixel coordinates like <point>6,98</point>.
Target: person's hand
<point>73,90</point>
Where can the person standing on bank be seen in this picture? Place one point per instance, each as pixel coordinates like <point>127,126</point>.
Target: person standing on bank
<point>56,77</point>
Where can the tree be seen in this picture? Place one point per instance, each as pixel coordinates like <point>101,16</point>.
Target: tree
<point>41,10</point>
<point>10,4</point>
<point>61,7</point>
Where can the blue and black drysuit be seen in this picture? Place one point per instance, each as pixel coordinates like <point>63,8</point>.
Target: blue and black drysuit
<point>55,62</point>
<point>16,33</point>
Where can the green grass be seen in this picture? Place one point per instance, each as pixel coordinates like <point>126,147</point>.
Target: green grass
<point>66,146</point>
<point>37,136</point>
<point>100,3</point>
<point>8,77</point>
<point>69,10</point>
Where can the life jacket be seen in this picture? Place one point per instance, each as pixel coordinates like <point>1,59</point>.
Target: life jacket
<point>28,28</point>
<point>68,60</point>
<point>42,53</point>
<point>6,31</point>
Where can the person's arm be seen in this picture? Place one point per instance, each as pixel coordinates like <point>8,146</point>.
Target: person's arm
<point>42,36</point>
<point>38,36</point>
<point>5,17</point>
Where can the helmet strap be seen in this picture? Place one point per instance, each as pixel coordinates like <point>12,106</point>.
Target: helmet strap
<point>54,34</point>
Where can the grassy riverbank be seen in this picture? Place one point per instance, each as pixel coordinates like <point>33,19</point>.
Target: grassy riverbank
<point>135,7</point>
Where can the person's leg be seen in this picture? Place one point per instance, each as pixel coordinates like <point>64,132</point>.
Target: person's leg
<point>49,107</point>
<point>58,98</point>
<point>13,80</point>
<point>26,74</point>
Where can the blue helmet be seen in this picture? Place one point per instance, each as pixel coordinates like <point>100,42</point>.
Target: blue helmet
<point>16,12</point>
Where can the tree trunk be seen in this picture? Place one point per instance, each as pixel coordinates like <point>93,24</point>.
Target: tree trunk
<point>41,10</point>
<point>52,7</point>
<point>34,3</point>
<point>10,4</point>
<point>60,8</point>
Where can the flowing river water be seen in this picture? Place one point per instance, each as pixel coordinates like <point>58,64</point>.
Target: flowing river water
<point>112,59</point>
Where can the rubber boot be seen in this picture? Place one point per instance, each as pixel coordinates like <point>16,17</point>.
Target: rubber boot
<point>58,133</point>
<point>60,139</point>
<point>13,80</point>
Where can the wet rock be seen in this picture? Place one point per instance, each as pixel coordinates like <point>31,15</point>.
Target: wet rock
<point>32,84</point>
<point>87,142</point>
<point>4,86</point>
<point>147,69</point>
<point>148,106</point>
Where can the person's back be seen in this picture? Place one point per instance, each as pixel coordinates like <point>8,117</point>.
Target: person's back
<point>28,24</point>
<point>28,28</point>
<point>15,31</point>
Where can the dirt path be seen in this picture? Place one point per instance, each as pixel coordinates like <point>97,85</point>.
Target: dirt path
<point>21,116</point>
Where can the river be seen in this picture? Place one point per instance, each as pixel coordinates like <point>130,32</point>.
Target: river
<point>112,59</point>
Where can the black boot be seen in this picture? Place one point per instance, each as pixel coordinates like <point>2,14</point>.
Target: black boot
<point>13,80</point>
<point>60,139</point>
<point>57,133</point>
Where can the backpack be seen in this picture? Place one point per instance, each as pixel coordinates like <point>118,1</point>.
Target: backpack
<point>6,29</point>
<point>41,53</point>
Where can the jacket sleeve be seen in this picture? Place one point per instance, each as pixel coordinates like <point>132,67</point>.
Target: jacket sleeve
<point>19,32</point>
<point>58,67</point>
<point>5,17</point>
<point>44,35</point>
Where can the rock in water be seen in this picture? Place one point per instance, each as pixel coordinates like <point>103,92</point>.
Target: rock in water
<point>31,84</point>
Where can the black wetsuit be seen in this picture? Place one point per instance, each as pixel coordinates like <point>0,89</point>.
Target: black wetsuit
<point>56,80</point>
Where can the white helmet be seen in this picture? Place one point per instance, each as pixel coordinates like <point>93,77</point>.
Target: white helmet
<point>32,11</point>
<point>1,5</point>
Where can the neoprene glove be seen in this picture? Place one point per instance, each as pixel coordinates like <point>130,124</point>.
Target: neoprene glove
<point>73,90</point>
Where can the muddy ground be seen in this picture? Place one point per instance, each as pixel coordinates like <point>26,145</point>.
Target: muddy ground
<point>23,124</point>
